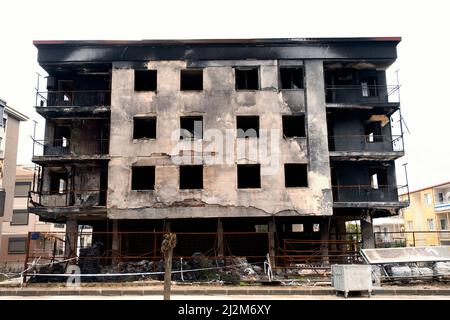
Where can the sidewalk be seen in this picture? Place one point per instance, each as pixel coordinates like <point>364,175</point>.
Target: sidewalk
<point>213,290</point>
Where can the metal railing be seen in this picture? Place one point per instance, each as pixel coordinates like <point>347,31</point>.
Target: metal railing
<point>368,193</point>
<point>85,98</point>
<point>411,238</point>
<point>374,143</point>
<point>61,147</point>
<point>67,198</point>
<point>362,93</point>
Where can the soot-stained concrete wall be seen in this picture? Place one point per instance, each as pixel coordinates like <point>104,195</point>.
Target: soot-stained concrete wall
<point>219,104</point>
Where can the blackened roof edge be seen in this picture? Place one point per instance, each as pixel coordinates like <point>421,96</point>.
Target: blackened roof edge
<point>261,41</point>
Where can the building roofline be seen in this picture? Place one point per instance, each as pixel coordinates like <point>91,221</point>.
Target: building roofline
<point>15,114</point>
<point>429,187</point>
<point>259,41</point>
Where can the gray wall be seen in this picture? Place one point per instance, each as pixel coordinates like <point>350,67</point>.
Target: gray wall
<point>219,104</point>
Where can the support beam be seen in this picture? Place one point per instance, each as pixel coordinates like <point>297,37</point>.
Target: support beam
<point>115,246</point>
<point>71,240</point>
<point>167,226</point>
<point>325,237</point>
<point>367,236</point>
<point>272,230</point>
<point>220,248</point>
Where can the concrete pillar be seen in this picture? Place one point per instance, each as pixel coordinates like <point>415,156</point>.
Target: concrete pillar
<point>367,236</point>
<point>220,249</point>
<point>272,230</point>
<point>115,246</point>
<point>324,237</point>
<point>71,239</point>
<point>316,120</point>
<point>167,226</point>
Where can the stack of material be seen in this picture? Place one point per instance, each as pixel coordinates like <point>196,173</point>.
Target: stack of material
<point>89,261</point>
<point>57,268</point>
<point>441,269</point>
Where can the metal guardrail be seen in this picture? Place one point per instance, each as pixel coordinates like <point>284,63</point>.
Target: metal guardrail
<point>362,93</point>
<point>391,239</point>
<point>376,143</point>
<point>61,147</point>
<point>85,98</point>
<point>368,193</point>
<point>67,198</point>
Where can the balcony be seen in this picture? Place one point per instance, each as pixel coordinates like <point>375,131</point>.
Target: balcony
<point>366,147</point>
<point>364,196</point>
<point>44,203</point>
<point>73,103</point>
<point>62,150</point>
<point>362,96</point>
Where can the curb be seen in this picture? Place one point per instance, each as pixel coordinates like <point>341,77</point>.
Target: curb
<point>143,292</point>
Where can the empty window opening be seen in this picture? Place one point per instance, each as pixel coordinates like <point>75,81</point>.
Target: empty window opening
<point>295,175</point>
<point>191,80</point>
<point>191,127</point>
<point>369,87</point>
<point>378,178</point>
<point>61,137</point>
<point>440,197</point>
<point>291,78</point>
<point>19,217</point>
<point>58,182</point>
<point>191,177</point>
<point>145,80</point>
<point>247,78</point>
<point>372,131</point>
<point>144,128</point>
<point>297,227</point>
<point>294,126</point>
<point>17,245</point>
<point>248,176</point>
<point>261,228</point>
<point>143,178</point>
<point>316,227</point>
<point>247,126</point>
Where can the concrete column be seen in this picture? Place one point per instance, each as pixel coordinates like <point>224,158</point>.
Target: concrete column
<point>325,237</point>
<point>316,120</point>
<point>167,226</point>
<point>220,249</point>
<point>368,240</point>
<point>115,246</point>
<point>341,229</point>
<point>71,239</point>
<point>272,230</point>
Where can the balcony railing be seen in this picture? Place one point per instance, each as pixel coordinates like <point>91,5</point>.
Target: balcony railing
<point>368,193</point>
<point>391,239</point>
<point>62,147</point>
<point>362,93</point>
<point>73,98</point>
<point>371,143</point>
<point>68,198</point>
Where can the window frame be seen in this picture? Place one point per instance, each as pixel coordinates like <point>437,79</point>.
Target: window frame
<point>12,239</point>
<point>12,223</point>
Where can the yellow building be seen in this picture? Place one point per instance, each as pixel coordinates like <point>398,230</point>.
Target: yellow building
<point>429,211</point>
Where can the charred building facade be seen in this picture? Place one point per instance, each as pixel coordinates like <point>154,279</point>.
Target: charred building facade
<point>288,138</point>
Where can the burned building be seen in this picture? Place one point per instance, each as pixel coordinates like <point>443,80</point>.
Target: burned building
<point>238,146</point>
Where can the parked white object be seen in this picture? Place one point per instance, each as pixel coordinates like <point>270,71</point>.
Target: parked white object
<point>351,277</point>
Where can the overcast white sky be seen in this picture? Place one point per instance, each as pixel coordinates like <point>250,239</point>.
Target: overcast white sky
<point>423,54</point>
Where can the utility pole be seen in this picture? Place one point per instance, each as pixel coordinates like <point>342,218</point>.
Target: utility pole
<point>169,242</point>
